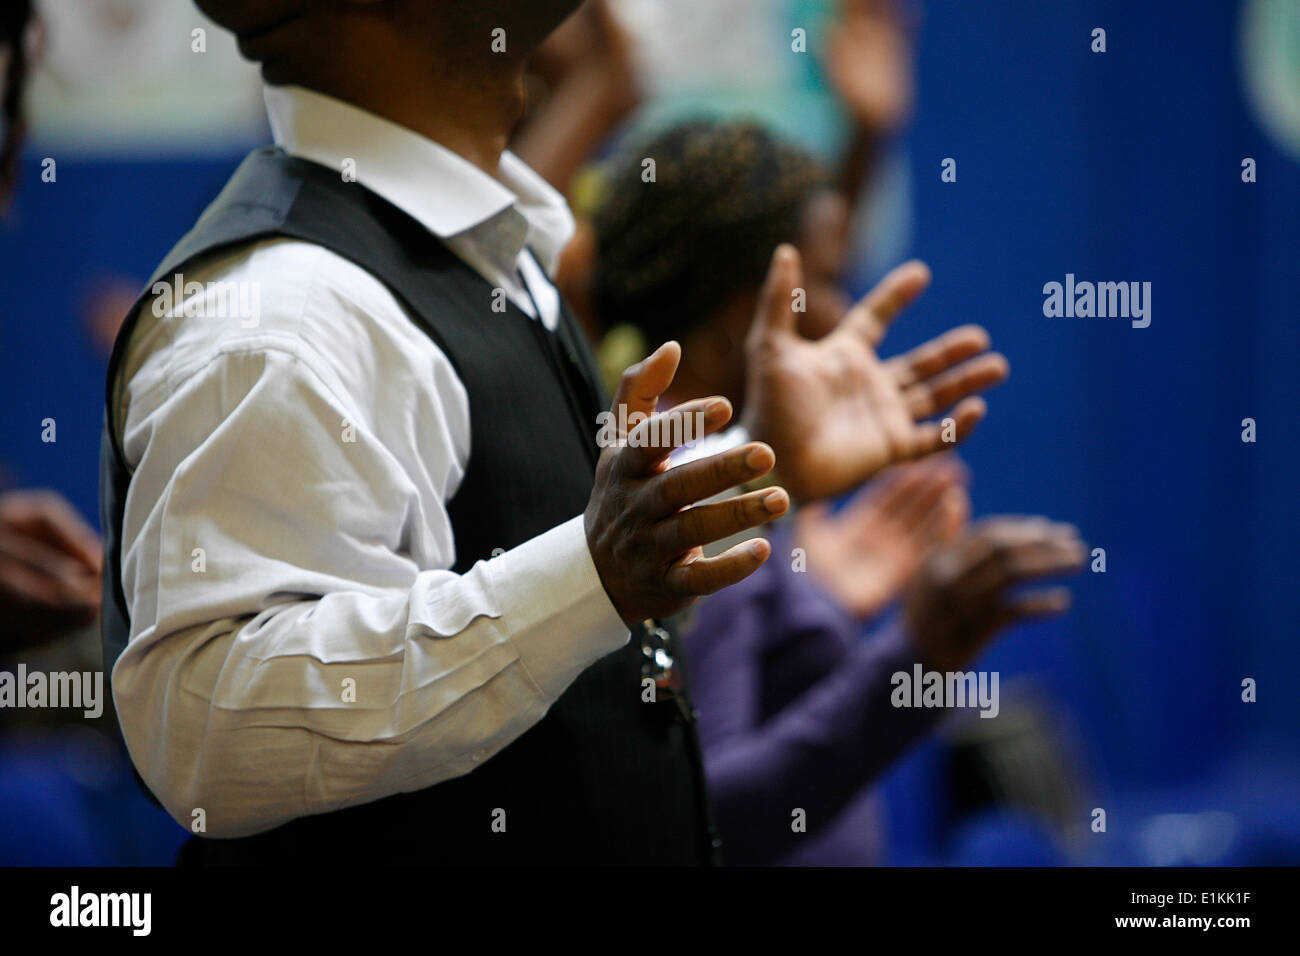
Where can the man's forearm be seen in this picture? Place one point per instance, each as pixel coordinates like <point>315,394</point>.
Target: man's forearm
<point>318,705</point>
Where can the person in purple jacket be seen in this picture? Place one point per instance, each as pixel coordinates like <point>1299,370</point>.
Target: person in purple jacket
<point>798,714</point>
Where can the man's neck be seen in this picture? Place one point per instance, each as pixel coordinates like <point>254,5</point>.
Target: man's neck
<point>472,116</point>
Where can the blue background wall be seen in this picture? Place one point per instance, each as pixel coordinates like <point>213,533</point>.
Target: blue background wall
<point>1127,166</point>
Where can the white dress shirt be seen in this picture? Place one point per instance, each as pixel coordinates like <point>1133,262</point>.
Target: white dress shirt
<point>297,643</point>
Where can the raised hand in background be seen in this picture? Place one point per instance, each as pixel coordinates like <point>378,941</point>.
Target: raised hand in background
<point>832,410</point>
<point>968,591</point>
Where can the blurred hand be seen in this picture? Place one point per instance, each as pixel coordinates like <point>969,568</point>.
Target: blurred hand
<point>960,598</point>
<point>869,63</point>
<point>591,41</point>
<point>866,553</point>
<point>582,82</point>
<point>50,567</point>
<point>644,526</point>
<point>832,411</point>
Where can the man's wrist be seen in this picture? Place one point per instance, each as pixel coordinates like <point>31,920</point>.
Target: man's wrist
<point>575,623</point>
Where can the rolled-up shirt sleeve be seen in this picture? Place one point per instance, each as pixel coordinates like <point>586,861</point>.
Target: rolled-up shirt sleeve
<point>297,644</point>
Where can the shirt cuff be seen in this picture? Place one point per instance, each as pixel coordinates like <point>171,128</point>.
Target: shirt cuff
<point>559,618</point>
<point>714,444</point>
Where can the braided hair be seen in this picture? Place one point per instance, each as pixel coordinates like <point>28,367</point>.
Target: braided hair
<point>671,252</point>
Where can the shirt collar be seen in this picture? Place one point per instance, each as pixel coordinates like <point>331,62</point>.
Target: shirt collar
<point>446,193</point>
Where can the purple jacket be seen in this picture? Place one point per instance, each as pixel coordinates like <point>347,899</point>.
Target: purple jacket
<point>795,714</point>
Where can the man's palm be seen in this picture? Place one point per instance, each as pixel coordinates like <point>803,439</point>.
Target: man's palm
<point>832,410</point>
<point>865,553</point>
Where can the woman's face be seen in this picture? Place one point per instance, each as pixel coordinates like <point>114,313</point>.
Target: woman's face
<point>823,246</point>
<point>822,240</point>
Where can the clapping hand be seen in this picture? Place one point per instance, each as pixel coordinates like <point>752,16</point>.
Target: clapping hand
<point>645,524</point>
<point>966,592</point>
<point>865,553</point>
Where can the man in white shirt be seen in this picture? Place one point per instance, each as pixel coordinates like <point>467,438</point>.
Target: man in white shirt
<point>313,617</point>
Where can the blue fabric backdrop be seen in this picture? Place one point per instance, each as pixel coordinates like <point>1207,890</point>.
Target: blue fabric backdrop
<point>1127,166</point>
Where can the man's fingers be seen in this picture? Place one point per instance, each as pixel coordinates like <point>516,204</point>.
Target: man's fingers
<point>902,487</point>
<point>933,395</point>
<point>913,510</point>
<point>947,518</point>
<point>932,437</point>
<point>1045,603</point>
<point>47,517</point>
<point>817,513</point>
<point>642,384</point>
<point>1043,554</point>
<point>1044,560</point>
<point>940,353</point>
<point>699,480</point>
<point>39,558</point>
<point>652,439</point>
<point>21,580</point>
<point>775,316</point>
<point>954,513</point>
<point>874,312</point>
<point>993,537</point>
<point>40,575</point>
<point>704,524</point>
<point>60,601</point>
<point>696,575</point>
<point>873,502</point>
<point>998,533</point>
<point>899,484</point>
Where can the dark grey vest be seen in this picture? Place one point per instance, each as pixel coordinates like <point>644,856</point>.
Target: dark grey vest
<point>604,777</point>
